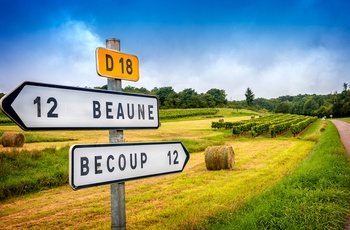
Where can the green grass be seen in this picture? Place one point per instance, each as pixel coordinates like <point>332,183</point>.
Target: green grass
<point>34,137</point>
<point>199,145</point>
<point>4,120</point>
<point>315,196</point>
<point>229,112</point>
<point>24,172</point>
<point>281,183</point>
<point>175,114</point>
<point>27,171</point>
<point>346,119</point>
<point>221,113</point>
<point>314,132</point>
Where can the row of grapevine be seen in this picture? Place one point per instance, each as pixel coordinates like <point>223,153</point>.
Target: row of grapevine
<point>287,125</point>
<point>230,125</point>
<point>300,126</point>
<point>179,113</point>
<point>245,125</point>
<point>275,124</point>
<point>260,129</point>
<point>225,125</point>
<point>279,128</point>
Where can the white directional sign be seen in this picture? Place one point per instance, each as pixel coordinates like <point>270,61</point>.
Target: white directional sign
<point>38,106</point>
<point>92,165</point>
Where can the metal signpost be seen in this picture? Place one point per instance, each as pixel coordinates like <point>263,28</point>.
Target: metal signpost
<point>39,106</point>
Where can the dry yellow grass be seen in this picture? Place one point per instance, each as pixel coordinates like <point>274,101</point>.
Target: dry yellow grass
<point>176,201</point>
<point>167,131</point>
<point>180,201</point>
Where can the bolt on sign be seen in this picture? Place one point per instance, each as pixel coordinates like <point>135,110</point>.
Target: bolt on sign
<point>114,64</point>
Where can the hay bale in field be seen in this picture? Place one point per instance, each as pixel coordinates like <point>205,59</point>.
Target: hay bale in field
<point>219,157</point>
<point>12,139</point>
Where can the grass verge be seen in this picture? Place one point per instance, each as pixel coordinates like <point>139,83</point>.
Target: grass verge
<point>346,119</point>
<point>24,172</point>
<point>196,198</point>
<point>35,137</point>
<point>315,196</point>
<point>189,200</point>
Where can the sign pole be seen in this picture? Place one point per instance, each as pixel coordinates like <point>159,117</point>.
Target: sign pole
<point>118,213</point>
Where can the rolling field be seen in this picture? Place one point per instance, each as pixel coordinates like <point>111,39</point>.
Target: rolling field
<point>193,199</point>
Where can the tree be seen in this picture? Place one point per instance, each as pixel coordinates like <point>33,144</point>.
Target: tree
<point>101,87</point>
<point>206,101</point>
<point>310,107</point>
<point>262,103</point>
<point>249,95</point>
<point>283,107</point>
<point>324,111</point>
<point>133,89</point>
<point>189,98</point>
<point>297,107</point>
<point>166,96</point>
<point>236,105</point>
<point>219,96</point>
<point>345,86</point>
<point>337,105</point>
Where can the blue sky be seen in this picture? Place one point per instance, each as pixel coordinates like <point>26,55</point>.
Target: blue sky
<point>274,47</point>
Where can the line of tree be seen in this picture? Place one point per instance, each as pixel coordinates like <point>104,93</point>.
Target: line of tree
<point>335,104</point>
<point>187,98</point>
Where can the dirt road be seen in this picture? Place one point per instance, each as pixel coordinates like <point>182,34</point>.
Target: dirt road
<point>344,132</point>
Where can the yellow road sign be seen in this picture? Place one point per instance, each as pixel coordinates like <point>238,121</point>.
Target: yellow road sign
<point>114,64</point>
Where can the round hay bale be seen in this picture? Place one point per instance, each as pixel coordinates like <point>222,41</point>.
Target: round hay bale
<point>12,139</point>
<point>219,157</point>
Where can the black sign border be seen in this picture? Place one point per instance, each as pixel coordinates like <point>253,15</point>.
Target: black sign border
<point>7,100</point>
<point>71,163</point>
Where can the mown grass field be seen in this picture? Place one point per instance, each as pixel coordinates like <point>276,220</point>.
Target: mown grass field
<point>278,183</point>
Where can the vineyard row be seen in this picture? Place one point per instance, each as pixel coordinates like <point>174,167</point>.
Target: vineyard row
<point>179,113</point>
<point>274,124</point>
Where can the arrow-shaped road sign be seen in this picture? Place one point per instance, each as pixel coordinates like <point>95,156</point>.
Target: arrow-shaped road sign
<point>92,165</point>
<point>38,106</point>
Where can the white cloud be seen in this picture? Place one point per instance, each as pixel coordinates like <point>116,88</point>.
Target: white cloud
<point>64,55</point>
<point>270,68</point>
<point>73,57</point>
